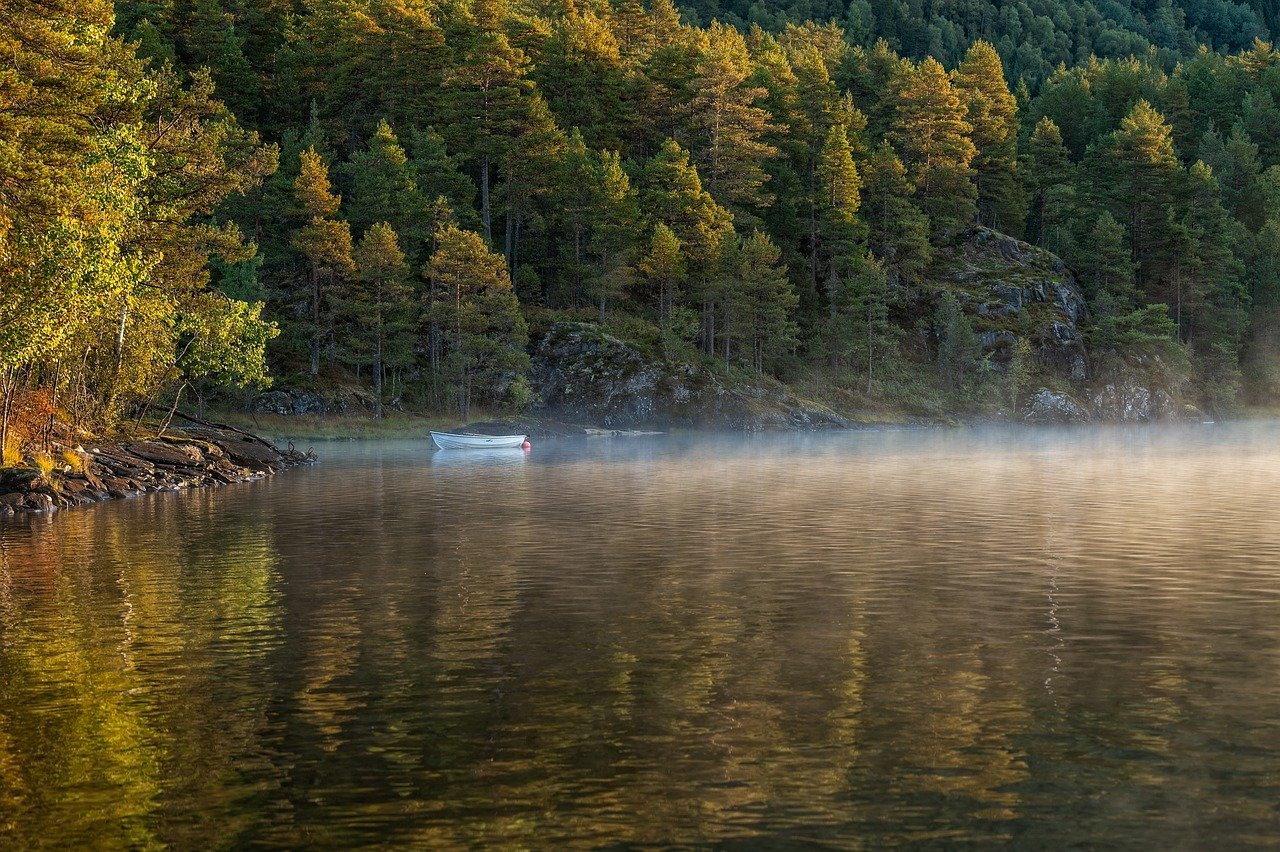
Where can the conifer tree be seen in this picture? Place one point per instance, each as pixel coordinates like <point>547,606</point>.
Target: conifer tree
<point>1213,310</point>
<point>1135,172</point>
<point>584,79</point>
<point>1106,268</point>
<point>663,268</point>
<point>672,193</point>
<point>378,304</point>
<point>932,136</point>
<point>758,301</point>
<point>958,347</point>
<point>1049,173</point>
<point>382,186</point>
<point>485,104</point>
<point>993,114</point>
<point>842,233</point>
<point>898,231</point>
<point>727,126</point>
<point>324,242</point>
<point>408,57</point>
<point>858,332</point>
<point>484,329</point>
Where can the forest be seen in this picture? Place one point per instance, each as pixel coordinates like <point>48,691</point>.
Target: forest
<point>403,194</point>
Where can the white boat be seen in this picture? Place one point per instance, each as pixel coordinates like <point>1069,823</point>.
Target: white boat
<point>451,441</point>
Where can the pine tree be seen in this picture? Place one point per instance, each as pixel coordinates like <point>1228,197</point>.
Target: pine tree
<point>663,269</point>
<point>324,242</point>
<point>382,187</point>
<point>1213,310</point>
<point>1236,168</point>
<point>485,106</point>
<point>993,114</point>
<point>842,234</point>
<point>1261,120</point>
<point>1048,173</point>
<point>1135,173</point>
<point>727,126</point>
<point>858,332</point>
<point>581,73</point>
<point>758,301</point>
<point>378,304</point>
<point>480,315</point>
<point>1106,268</point>
<point>671,192</point>
<point>898,230</point>
<point>931,134</point>
<point>408,57</point>
<point>958,347</point>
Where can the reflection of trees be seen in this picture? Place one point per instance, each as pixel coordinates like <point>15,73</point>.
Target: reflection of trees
<point>821,647</point>
<point>113,716</point>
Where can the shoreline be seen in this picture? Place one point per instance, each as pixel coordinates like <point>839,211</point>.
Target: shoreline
<point>201,455</point>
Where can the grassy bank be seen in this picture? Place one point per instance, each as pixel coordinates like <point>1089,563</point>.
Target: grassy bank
<point>333,427</point>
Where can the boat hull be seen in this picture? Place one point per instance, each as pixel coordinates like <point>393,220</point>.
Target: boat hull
<point>451,441</point>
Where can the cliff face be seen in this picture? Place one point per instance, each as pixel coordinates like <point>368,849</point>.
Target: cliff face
<point>1011,290</point>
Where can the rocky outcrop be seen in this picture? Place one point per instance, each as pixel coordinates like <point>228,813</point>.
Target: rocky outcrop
<point>1049,406</point>
<point>1011,289</point>
<point>583,375</point>
<point>296,402</point>
<point>192,458</point>
<point>1139,389</point>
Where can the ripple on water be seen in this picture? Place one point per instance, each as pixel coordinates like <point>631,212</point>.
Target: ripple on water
<point>853,639</point>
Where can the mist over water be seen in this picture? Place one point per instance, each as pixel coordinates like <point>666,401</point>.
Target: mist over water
<point>1049,637</point>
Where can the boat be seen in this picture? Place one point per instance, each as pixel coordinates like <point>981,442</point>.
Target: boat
<point>455,441</point>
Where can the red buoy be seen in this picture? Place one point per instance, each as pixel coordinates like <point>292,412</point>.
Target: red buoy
<point>526,446</point>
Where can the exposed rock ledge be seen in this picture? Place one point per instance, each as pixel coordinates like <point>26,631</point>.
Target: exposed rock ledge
<point>195,457</point>
<point>583,375</point>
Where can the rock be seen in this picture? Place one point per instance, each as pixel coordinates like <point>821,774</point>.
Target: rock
<point>290,403</point>
<point>584,375</point>
<point>1048,406</point>
<point>160,452</point>
<point>1138,389</point>
<point>992,341</point>
<point>38,503</point>
<point>253,454</point>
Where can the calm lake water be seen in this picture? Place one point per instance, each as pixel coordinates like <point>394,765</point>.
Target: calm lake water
<point>846,640</point>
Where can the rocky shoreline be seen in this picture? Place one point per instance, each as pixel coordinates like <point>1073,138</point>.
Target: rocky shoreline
<point>90,471</point>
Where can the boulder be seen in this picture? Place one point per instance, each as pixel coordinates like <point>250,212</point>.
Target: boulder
<point>161,452</point>
<point>38,503</point>
<point>292,402</point>
<point>1049,406</point>
<point>252,453</point>
<point>1138,389</point>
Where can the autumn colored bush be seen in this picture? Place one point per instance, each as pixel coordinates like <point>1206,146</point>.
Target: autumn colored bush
<point>31,420</point>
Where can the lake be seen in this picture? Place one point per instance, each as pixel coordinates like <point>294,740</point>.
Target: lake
<point>842,640</point>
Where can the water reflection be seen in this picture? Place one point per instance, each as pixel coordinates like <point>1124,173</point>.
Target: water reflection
<point>845,640</point>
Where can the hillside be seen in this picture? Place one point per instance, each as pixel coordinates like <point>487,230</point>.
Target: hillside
<point>401,199</point>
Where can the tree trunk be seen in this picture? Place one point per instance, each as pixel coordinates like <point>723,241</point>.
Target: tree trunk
<point>870,345</point>
<point>315,320</point>
<point>377,372</point>
<point>813,227</point>
<point>177,397</point>
<point>484,199</point>
<point>8,389</point>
